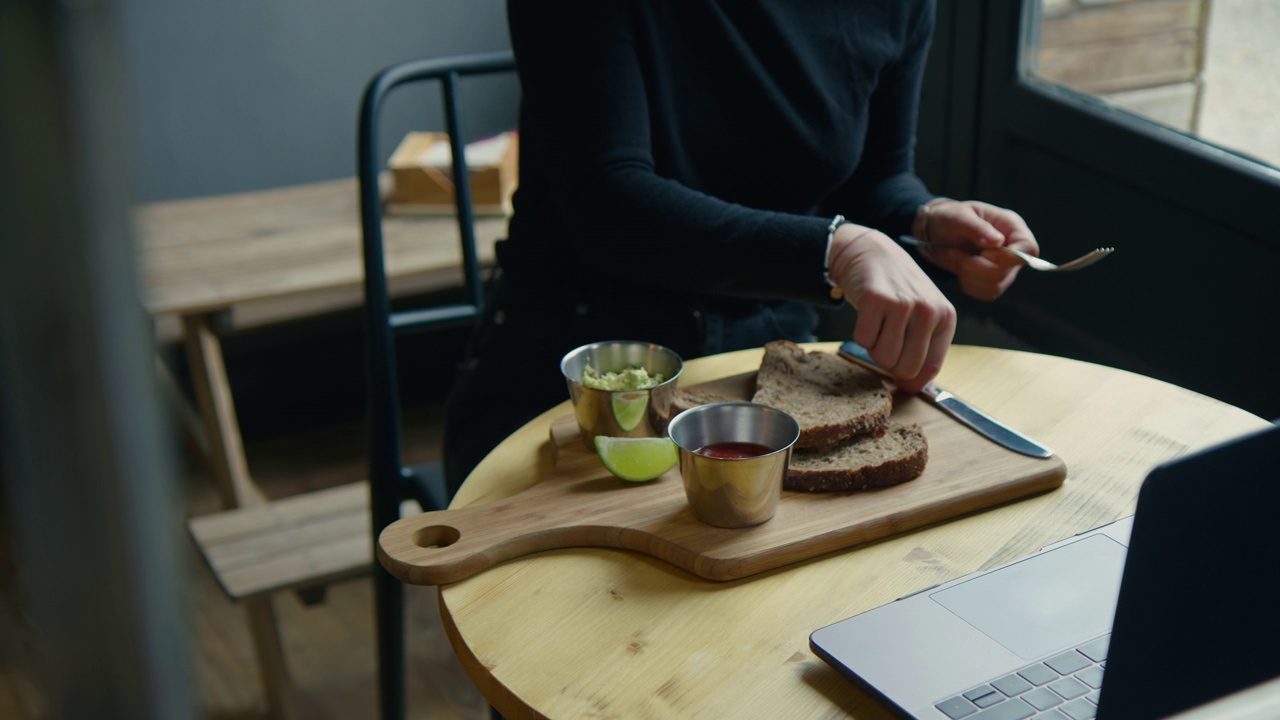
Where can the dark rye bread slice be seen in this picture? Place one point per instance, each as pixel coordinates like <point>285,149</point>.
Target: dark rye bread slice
<point>692,397</point>
<point>832,399</point>
<point>898,455</point>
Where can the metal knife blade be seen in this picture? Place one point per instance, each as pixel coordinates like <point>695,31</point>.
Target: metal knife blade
<point>962,411</point>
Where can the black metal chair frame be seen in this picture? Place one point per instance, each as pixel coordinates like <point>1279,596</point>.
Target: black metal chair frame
<point>390,481</point>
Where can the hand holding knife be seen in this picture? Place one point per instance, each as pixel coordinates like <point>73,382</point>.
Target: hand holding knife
<point>982,423</point>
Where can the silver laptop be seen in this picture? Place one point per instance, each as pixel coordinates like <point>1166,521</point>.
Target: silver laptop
<point>1175,606</point>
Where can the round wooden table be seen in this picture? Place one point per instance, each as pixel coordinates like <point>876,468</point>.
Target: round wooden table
<point>603,633</point>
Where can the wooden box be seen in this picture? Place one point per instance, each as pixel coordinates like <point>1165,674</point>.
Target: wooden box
<point>423,177</point>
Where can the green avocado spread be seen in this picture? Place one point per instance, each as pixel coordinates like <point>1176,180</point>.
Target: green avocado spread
<point>632,378</point>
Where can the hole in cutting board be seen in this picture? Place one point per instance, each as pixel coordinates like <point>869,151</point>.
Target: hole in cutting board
<point>437,536</point>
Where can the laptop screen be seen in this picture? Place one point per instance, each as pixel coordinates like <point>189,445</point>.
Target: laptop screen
<point>1198,615</point>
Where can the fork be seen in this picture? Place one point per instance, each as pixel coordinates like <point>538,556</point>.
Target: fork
<point>1029,260</point>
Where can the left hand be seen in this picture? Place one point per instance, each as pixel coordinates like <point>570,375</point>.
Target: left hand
<point>984,276</point>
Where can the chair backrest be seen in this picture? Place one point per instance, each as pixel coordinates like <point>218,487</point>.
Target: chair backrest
<point>390,481</point>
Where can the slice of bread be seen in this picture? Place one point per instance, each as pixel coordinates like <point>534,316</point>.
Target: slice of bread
<point>833,399</point>
<point>692,397</point>
<point>894,457</point>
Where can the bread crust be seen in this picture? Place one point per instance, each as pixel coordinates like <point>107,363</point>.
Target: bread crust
<point>898,455</point>
<point>687,398</point>
<point>832,399</point>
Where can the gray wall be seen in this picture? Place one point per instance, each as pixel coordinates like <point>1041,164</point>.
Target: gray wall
<point>240,95</point>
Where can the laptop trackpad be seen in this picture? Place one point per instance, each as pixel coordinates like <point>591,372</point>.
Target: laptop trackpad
<point>1046,602</point>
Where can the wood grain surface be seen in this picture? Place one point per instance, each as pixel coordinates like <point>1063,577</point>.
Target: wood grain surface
<point>211,253</point>
<point>608,633</point>
<point>582,505</point>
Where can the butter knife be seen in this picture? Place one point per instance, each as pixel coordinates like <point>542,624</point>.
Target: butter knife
<point>967,414</point>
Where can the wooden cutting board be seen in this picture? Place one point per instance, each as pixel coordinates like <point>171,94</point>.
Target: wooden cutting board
<point>582,505</point>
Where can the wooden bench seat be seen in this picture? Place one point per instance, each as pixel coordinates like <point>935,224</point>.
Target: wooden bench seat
<point>300,543</point>
<point>297,542</point>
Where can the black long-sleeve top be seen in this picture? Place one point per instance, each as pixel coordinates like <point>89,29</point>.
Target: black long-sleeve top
<point>701,147</point>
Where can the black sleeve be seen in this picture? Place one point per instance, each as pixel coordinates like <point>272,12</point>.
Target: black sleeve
<point>585,101</point>
<point>885,191</point>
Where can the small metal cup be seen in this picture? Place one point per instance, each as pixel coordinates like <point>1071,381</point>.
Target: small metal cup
<point>622,413</point>
<point>733,492</point>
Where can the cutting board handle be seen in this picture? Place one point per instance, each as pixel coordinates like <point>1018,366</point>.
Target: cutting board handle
<point>445,546</point>
<point>581,505</point>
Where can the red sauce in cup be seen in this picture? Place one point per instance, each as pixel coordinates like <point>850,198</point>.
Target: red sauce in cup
<point>733,450</point>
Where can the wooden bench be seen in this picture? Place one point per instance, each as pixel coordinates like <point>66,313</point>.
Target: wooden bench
<point>296,542</point>
<point>302,542</point>
<point>249,259</point>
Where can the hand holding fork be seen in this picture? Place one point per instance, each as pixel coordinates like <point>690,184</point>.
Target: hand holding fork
<point>1027,259</point>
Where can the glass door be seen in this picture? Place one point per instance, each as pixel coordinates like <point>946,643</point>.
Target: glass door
<point>1200,67</point>
<point>1152,126</point>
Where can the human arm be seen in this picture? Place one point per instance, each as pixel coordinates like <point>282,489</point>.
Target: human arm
<point>904,321</point>
<point>634,146</point>
<point>885,191</point>
<point>638,147</point>
<point>633,141</point>
<point>887,194</point>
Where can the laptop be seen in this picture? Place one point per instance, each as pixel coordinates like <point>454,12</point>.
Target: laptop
<point>1174,606</point>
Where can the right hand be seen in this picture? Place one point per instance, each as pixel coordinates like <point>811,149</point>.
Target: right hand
<point>904,320</point>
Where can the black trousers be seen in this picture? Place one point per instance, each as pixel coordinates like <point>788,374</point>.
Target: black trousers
<point>512,370</point>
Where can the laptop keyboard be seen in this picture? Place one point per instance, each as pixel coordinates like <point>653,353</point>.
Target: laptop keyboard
<point>1063,687</point>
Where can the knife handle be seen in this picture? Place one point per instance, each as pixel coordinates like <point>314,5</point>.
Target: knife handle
<point>851,350</point>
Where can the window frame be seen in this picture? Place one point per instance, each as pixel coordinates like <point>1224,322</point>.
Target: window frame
<point>1230,188</point>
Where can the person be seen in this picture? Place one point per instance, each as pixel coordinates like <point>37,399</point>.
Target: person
<point>707,175</point>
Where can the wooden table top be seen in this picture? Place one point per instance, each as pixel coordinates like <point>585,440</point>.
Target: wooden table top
<point>211,253</point>
<point>590,633</point>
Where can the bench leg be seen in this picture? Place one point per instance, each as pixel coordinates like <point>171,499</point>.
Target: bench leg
<point>217,410</point>
<point>276,683</point>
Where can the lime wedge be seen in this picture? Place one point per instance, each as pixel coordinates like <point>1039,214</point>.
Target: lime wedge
<point>637,459</point>
<point>629,409</point>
